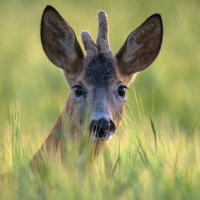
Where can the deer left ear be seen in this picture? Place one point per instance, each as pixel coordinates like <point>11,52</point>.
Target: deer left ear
<point>60,44</point>
<point>141,47</point>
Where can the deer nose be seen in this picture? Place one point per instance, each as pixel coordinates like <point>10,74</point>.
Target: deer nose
<point>102,129</point>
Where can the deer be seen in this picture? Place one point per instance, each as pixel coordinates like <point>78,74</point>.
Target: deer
<point>98,80</point>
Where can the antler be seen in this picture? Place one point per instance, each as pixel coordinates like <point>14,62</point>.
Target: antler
<point>102,39</point>
<point>102,43</point>
<point>88,43</point>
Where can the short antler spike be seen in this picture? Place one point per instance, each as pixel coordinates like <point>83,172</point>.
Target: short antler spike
<point>102,39</point>
<point>88,43</point>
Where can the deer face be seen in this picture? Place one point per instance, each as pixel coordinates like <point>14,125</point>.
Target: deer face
<point>99,93</point>
<point>98,80</point>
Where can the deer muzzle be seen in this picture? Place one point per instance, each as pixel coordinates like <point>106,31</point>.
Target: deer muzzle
<point>102,129</point>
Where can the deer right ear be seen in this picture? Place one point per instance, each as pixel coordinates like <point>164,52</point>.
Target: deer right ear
<point>141,47</point>
<point>59,42</point>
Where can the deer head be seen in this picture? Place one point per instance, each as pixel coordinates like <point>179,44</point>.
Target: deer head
<point>98,80</point>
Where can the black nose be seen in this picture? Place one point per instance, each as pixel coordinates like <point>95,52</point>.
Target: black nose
<point>102,127</point>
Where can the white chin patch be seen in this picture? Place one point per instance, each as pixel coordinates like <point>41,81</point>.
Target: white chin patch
<point>106,137</point>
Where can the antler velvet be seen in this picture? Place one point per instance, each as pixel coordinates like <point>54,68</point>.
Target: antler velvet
<point>102,42</point>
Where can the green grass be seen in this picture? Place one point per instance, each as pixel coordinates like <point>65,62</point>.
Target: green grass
<point>142,163</point>
<point>154,154</point>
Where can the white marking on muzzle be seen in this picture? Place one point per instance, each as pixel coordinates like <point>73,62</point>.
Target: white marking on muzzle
<point>98,115</point>
<point>107,137</point>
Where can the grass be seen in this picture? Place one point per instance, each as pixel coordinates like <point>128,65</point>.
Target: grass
<point>154,154</point>
<point>145,163</point>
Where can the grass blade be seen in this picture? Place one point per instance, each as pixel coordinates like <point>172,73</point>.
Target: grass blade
<point>154,134</point>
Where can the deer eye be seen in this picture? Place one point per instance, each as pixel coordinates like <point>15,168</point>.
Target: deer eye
<point>122,91</point>
<point>78,90</point>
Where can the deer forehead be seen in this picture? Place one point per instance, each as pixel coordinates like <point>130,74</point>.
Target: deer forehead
<point>101,70</point>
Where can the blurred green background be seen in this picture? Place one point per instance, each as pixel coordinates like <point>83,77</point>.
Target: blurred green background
<point>168,91</point>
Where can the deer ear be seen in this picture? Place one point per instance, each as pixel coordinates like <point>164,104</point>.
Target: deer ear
<point>141,47</point>
<point>59,42</point>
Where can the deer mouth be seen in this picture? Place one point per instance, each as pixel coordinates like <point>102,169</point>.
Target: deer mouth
<point>101,135</point>
<point>102,129</point>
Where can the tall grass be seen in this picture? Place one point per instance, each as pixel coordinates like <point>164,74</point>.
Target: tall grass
<point>143,163</point>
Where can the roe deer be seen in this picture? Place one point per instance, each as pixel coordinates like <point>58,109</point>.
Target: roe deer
<point>98,81</point>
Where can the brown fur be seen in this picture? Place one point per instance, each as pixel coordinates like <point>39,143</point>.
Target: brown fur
<point>99,74</point>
